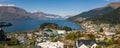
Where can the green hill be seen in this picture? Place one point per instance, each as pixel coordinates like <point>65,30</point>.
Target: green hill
<point>112,17</point>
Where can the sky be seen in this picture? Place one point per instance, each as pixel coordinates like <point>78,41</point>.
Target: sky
<point>59,7</point>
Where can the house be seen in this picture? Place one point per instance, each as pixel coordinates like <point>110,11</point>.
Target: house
<point>48,31</point>
<point>100,39</point>
<point>56,32</point>
<point>21,39</point>
<point>61,31</point>
<point>109,33</point>
<point>87,44</point>
<point>43,38</point>
<point>109,37</point>
<point>46,36</point>
<point>29,35</point>
<point>51,44</point>
<point>68,43</point>
<point>38,39</point>
<point>82,38</point>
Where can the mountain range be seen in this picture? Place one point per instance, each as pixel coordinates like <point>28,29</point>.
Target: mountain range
<point>100,13</point>
<point>13,13</point>
<point>112,17</point>
<point>16,13</point>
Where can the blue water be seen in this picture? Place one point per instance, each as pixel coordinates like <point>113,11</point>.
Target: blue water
<point>25,25</point>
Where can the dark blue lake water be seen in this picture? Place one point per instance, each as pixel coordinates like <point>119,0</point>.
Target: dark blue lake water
<point>24,25</point>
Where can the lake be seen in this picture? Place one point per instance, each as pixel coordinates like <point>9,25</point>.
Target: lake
<point>25,25</point>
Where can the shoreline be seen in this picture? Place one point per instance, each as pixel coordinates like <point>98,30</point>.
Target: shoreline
<point>80,25</point>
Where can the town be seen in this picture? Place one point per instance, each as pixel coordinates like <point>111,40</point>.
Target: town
<point>50,35</point>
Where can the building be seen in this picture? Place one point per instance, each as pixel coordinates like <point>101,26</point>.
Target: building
<point>109,33</point>
<point>61,31</point>
<point>86,44</point>
<point>68,43</point>
<point>51,44</point>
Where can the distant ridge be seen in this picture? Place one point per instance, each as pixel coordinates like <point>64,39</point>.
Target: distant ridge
<point>112,17</point>
<point>96,12</point>
<point>11,12</point>
<point>114,5</point>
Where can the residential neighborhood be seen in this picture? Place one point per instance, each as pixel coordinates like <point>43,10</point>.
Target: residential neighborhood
<point>50,35</point>
<point>92,37</point>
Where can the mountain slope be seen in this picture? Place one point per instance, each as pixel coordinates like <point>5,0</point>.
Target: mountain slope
<point>97,12</point>
<point>13,13</point>
<point>111,18</point>
<point>8,12</point>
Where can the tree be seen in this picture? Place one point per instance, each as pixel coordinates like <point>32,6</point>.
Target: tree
<point>71,36</point>
<point>67,28</point>
<point>99,46</point>
<point>118,41</point>
<point>13,41</point>
<point>49,25</point>
<point>2,35</point>
<point>91,36</point>
<point>109,41</point>
<point>101,29</point>
<point>6,46</point>
<point>70,46</point>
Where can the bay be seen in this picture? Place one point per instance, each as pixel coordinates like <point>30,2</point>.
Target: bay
<point>25,25</point>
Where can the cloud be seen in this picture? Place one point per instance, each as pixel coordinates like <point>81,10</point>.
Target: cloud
<point>7,5</point>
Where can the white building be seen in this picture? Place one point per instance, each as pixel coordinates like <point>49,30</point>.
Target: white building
<point>83,46</point>
<point>61,31</point>
<point>51,45</point>
<point>109,33</point>
<point>86,46</point>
